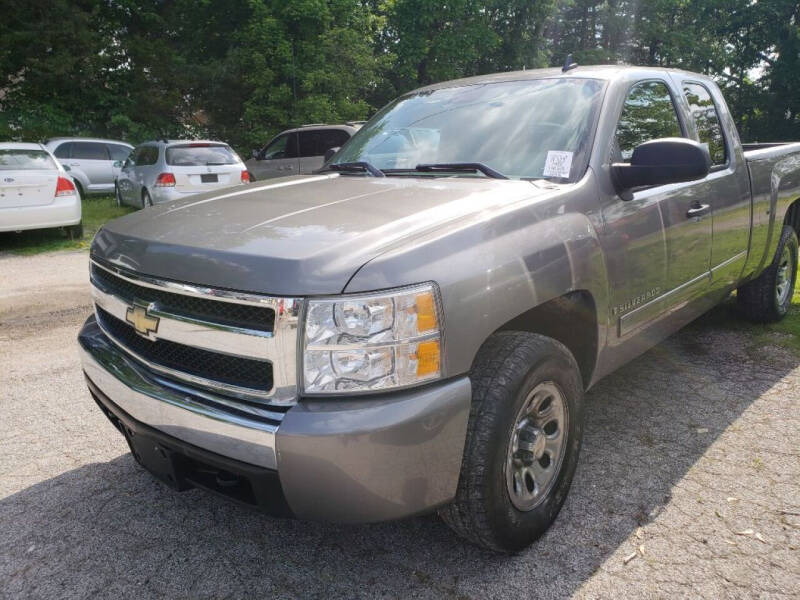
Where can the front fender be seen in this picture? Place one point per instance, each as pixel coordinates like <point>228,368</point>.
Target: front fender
<point>493,270</point>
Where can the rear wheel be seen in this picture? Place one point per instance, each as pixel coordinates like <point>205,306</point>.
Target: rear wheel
<point>768,297</point>
<point>146,199</point>
<point>523,441</point>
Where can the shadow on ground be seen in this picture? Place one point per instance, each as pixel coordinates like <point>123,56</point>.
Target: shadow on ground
<point>109,529</point>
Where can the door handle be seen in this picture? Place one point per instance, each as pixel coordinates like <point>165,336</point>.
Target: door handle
<point>74,164</point>
<point>697,210</point>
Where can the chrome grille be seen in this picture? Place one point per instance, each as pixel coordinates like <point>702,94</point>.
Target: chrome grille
<point>234,344</point>
<point>232,370</point>
<point>227,313</point>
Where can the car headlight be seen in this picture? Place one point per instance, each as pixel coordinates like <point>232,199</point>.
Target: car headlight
<point>377,341</point>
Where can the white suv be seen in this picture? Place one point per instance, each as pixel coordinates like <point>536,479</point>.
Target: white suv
<point>166,170</point>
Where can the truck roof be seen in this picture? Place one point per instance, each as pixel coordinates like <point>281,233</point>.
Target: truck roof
<point>603,72</point>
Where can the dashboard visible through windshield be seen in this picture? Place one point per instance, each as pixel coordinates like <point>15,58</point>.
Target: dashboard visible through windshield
<point>530,129</point>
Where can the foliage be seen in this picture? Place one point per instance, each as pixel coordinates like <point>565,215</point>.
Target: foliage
<point>242,70</point>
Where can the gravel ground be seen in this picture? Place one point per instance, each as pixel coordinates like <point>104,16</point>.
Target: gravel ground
<point>689,486</point>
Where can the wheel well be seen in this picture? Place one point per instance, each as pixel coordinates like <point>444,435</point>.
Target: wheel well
<point>572,320</point>
<point>793,216</point>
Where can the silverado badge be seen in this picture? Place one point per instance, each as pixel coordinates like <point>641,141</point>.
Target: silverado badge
<point>142,322</point>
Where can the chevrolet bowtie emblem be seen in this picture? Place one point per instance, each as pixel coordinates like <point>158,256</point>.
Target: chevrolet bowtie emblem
<point>142,322</point>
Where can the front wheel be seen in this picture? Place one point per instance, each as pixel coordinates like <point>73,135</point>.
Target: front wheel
<point>146,199</point>
<point>117,196</point>
<point>767,298</point>
<point>523,441</point>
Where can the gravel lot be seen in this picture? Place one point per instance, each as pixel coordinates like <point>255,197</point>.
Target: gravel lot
<point>689,486</point>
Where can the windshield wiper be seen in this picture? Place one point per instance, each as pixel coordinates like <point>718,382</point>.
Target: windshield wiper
<point>466,167</point>
<point>356,167</point>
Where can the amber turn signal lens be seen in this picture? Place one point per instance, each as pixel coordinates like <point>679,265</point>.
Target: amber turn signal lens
<point>426,312</point>
<point>427,358</point>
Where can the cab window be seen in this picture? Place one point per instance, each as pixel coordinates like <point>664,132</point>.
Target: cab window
<point>648,114</point>
<point>63,150</point>
<point>118,151</point>
<point>706,118</point>
<point>284,146</point>
<point>147,155</point>
<point>317,142</point>
<point>89,151</point>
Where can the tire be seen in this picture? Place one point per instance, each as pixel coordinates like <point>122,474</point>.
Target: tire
<point>79,189</point>
<point>767,298</point>
<point>75,232</point>
<point>508,369</point>
<point>117,196</point>
<point>146,199</point>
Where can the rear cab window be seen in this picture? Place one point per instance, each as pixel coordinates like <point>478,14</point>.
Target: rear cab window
<point>26,160</point>
<point>194,155</point>
<point>706,119</point>
<point>648,114</point>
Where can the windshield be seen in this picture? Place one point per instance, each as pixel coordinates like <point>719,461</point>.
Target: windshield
<point>193,155</point>
<point>539,128</point>
<point>37,160</point>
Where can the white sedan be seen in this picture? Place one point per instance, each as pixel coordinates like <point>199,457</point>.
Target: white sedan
<point>35,191</point>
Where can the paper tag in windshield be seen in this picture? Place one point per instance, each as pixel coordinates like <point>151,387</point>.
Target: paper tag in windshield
<point>558,164</point>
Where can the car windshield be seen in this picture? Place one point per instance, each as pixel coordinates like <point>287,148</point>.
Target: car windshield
<point>193,155</point>
<point>539,128</point>
<point>35,160</point>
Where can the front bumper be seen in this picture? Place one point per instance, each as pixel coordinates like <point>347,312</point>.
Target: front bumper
<point>343,460</point>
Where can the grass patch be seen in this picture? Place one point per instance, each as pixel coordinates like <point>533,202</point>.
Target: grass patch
<point>97,210</point>
<point>785,333</point>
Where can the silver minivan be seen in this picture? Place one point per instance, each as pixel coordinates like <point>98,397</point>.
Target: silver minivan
<point>90,161</point>
<point>300,150</point>
<point>165,170</point>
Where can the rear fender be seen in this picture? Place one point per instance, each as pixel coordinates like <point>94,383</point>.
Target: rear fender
<point>774,189</point>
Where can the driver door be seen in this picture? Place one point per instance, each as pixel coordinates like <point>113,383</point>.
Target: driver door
<point>278,159</point>
<point>663,233</point>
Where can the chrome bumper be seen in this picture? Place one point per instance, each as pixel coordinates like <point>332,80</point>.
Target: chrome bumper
<point>186,416</point>
<point>364,460</point>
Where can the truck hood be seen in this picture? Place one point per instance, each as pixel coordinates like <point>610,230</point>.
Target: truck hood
<point>296,236</point>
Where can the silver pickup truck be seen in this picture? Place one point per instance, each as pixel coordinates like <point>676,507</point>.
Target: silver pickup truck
<point>413,327</point>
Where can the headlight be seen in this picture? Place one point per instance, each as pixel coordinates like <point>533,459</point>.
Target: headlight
<point>373,341</point>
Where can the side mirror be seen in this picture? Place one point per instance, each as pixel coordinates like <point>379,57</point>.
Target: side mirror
<point>66,167</point>
<point>256,152</point>
<point>117,164</point>
<point>330,152</point>
<point>662,161</point>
